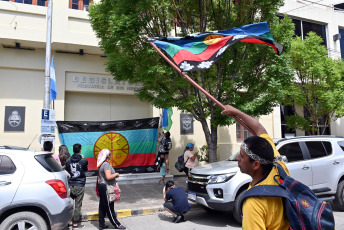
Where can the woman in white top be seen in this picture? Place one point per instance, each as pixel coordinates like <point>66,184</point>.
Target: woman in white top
<point>107,176</point>
<point>189,158</point>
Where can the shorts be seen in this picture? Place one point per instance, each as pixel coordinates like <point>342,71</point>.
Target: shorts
<point>169,205</point>
<point>162,153</point>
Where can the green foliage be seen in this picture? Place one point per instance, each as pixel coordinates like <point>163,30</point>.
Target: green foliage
<point>203,154</point>
<point>122,24</point>
<point>318,86</point>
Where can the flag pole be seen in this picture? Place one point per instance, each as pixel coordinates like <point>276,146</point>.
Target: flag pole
<point>199,87</point>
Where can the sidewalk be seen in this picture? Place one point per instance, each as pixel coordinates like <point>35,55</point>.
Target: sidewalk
<point>136,199</point>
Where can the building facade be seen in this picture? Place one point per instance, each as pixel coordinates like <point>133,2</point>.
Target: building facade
<point>86,92</point>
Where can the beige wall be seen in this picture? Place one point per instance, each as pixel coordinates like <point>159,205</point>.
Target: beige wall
<point>104,107</point>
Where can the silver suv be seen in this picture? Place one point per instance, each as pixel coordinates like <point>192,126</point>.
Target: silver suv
<point>34,191</point>
<point>317,161</point>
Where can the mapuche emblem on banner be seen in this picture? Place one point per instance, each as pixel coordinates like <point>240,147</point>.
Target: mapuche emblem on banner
<point>116,143</point>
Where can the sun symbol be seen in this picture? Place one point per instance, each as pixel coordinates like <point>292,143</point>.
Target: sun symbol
<point>305,203</point>
<point>212,39</point>
<point>116,143</point>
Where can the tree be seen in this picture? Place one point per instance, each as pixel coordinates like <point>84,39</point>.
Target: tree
<point>318,86</point>
<point>255,69</point>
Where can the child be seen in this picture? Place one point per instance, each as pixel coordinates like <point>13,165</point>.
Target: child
<point>162,167</point>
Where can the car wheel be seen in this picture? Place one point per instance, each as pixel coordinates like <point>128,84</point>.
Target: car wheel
<point>237,212</point>
<point>24,221</point>
<point>339,198</point>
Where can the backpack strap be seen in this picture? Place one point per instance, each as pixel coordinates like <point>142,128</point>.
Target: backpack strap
<point>264,191</point>
<point>281,170</point>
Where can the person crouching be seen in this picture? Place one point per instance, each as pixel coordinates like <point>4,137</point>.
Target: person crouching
<point>176,201</point>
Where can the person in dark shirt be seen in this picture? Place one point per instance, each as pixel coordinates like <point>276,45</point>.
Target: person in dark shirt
<point>176,201</point>
<point>77,166</point>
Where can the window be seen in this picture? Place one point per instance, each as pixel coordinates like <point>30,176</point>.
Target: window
<point>292,151</point>
<point>341,32</point>
<point>341,144</point>
<point>286,111</point>
<point>302,28</point>
<point>30,2</point>
<point>242,132</point>
<point>318,149</point>
<point>79,4</point>
<point>6,165</point>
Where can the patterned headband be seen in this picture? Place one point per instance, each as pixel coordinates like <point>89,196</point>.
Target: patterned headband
<point>254,156</point>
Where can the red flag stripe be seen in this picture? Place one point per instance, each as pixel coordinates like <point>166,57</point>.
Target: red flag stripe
<point>185,55</point>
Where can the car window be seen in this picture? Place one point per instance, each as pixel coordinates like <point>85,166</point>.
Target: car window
<point>316,149</point>
<point>341,144</point>
<point>292,151</point>
<point>6,165</point>
<point>328,147</point>
<point>49,163</point>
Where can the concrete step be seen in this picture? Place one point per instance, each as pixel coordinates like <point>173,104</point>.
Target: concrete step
<point>133,178</point>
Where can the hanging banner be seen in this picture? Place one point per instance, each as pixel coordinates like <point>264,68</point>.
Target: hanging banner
<point>132,143</point>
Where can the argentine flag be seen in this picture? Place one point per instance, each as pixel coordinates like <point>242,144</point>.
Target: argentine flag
<point>52,81</point>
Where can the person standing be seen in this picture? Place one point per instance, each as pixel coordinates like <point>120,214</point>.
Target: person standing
<point>176,201</point>
<point>77,166</point>
<point>107,176</point>
<point>161,144</point>
<point>48,147</point>
<point>189,158</point>
<point>63,155</point>
<point>162,168</point>
<point>256,158</point>
<point>167,149</point>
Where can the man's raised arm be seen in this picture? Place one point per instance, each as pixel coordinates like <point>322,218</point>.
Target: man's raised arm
<point>250,121</point>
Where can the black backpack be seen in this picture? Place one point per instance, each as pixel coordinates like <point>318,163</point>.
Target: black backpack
<point>304,209</point>
<point>168,144</point>
<point>180,164</point>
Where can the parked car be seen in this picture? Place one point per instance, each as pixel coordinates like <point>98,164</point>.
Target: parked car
<point>34,191</point>
<point>317,161</point>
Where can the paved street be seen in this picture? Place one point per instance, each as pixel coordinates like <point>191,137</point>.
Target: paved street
<point>197,219</point>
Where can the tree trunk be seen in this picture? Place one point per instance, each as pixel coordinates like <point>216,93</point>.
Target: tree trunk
<point>211,138</point>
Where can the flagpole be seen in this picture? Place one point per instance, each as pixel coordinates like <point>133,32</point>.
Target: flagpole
<point>199,87</point>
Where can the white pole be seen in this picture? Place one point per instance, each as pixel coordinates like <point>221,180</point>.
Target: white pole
<point>46,104</point>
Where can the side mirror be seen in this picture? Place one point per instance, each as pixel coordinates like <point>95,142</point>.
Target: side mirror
<point>284,159</point>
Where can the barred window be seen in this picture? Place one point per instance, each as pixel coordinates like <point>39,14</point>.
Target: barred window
<point>30,2</point>
<point>79,4</point>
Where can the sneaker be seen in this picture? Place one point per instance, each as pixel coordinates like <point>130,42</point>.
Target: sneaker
<point>104,227</point>
<point>178,219</point>
<point>120,227</point>
<point>183,219</point>
<point>175,218</point>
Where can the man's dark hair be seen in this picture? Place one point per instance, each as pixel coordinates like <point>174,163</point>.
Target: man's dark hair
<point>48,146</point>
<point>262,148</point>
<point>169,184</point>
<point>167,134</point>
<point>76,148</point>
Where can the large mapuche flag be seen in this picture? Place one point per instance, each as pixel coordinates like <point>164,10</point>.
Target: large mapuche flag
<point>132,142</point>
<point>201,50</point>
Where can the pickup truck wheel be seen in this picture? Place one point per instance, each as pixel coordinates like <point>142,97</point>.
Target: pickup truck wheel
<point>24,221</point>
<point>339,198</point>
<point>237,212</point>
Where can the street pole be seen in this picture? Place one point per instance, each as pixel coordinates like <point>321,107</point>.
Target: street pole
<point>46,104</point>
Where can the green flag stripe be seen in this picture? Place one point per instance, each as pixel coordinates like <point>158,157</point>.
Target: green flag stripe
<point>134,148</point>
<point>196,48</point>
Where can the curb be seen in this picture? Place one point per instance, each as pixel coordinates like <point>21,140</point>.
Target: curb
<point>122,213</point>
